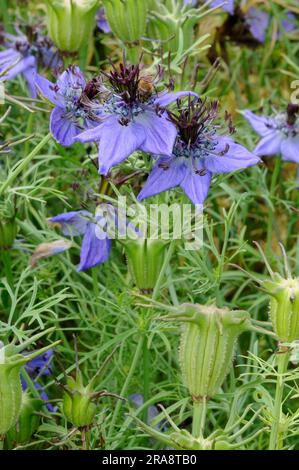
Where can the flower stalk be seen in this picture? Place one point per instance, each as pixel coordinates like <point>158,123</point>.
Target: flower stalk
<point>276,436</point>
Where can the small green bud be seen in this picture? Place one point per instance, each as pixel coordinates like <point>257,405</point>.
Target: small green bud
<point>207,346</point>
<point>71,22</point>
<point>27,423</point>
<point>11,362</point>
<point>78,407</point>
<point>145,259</point>
<point>127,18</point>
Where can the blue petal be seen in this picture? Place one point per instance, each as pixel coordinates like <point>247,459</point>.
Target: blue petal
<point>116,142</point>
<point>29,75</point>
<point>64,127</point>
<point>71,78</point>
<point>20,67</point>
<point>46,89</point>
<point>196,186</point>
<point>94,251</point>
<point>41,365</point>
<point>164,99</point>
<point>235,157</point>
<point>257,21</point>
<point>261,124</point>
<point>73,223</point>
<point>290,149</point>
<point>166,174</point>
<point>160,133</point>
<point>269,145</point>
<point>229,6</point>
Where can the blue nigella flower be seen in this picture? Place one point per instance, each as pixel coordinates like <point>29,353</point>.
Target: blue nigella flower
<point>133,119</point>
<point>24,53</point>
<point>73,109</point>
<point>280,133</point>
<point>39,366</point>
<point>198,154</point>
<point>96,243</point>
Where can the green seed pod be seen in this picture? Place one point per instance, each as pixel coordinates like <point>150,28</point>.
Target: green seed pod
<point>11,362</point>
<point>71,22</point>
<point>127,18</point>
<point>284,301</point>
<point>207,346</point>
<point>145,259</point>
<point>284,306</point>
<point>10,396</point>
<point>27,423</point>
<point>78,407</point>
<point>8,232</point>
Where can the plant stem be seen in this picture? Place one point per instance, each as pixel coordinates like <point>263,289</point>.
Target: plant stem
<point>1,442</point>
<point>123,392</point>
<point>276,439</point>
<point>199,417</point>
<point>23,163</point>
<point>275,174</point>
<point>146,376</point>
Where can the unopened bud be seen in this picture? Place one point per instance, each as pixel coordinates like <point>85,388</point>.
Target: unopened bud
<point>145,259</point>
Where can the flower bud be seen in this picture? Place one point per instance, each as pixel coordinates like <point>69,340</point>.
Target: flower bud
<point>78,407</point>
<point>145,259</point>
<point>11,362</point>
<point>127,18</point>
<point>27,423</point>
<point>71,22</point>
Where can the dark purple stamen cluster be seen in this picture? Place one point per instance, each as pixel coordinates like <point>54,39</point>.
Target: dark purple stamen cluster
<point>192,119</point>
<point>125,81</point>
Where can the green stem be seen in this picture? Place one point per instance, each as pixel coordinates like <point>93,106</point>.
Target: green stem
<point>23,163</point>
<point>276,439</point>
<point>199,417</point>
<point>275,174</point>
<point>146,352</point>
<point>123,392</point>
<point>146,375</point>
<point>1,442</point>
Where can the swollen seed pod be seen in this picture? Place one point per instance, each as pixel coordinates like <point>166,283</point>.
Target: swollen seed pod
<point>207,345</point>
<point>27,423</point>
<point>11,362</point>
<point>145,259</point>
<point>127,18</point>
<point>78,407</point>
<point>71,22</point>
